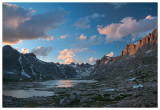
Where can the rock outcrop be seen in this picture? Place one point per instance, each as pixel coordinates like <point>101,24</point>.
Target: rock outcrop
<point>143,45</point>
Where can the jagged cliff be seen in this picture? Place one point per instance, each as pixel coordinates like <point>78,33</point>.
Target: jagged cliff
<point>146,43</point>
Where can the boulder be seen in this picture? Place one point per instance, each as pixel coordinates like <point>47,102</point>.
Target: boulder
<point>65,101</point>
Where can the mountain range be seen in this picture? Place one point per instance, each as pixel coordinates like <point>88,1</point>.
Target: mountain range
<point>135,57</point>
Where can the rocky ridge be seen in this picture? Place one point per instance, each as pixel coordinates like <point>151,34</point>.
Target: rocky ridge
<point>147,43</point>
<point>18,66</point>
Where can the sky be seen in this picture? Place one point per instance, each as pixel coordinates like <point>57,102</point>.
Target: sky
<point>76,32</point>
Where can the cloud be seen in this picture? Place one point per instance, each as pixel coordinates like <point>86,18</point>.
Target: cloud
<point>49,38</point>
<point>69,54</point>
<point>20,24</point>
<point>66,53</point>
<point>93,37</point>
<point>110,54</point>
<point>118,5</point>
<point>87,43</point>
<point>41,51</point>
<point>149,17</point>
<point>14,15</point>
<point>78,50</point>
<point>127,26</point>
<point>70,60</point>
<point>82,23</point>
<point>97,16</point>
<point>82,37</point>
<point>63,36</point>
<point>24,51</point>
<point>92,60</point>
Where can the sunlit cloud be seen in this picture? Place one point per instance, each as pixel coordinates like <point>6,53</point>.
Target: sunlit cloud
<point>14,15</point>
<point>69,55</point>
<point>20,24</point>
<point>149,17</point>
<point>63,36</point>
<point>24,51</point>
<point>82,37</point>
<point>49,38</point>
<point>70,60</point>
<point>93,37</point>
<point>92,60</point>
<point>66,53</point>
<point>41,51</point>
<point>110,54</point>
<point>127,26</point>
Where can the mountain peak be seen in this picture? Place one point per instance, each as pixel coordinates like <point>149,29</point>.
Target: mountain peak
<point>145,44</point>
<point>7,47</point>
<point>149,40</point>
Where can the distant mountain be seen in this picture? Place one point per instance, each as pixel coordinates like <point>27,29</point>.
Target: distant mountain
<point>139,57</point>
<point>18,66</point>
<point>134,58</point>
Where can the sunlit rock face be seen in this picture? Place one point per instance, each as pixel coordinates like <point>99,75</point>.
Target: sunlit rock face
<point>144,44</point>
<point>147,43</point>
<point>142,57</point>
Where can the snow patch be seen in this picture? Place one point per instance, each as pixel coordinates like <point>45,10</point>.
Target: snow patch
<point>31,67</point>
<point>148,51</point>
<point>22,72</point>
<point>131,79</point>
<point>10,72</point>
<point>74,66</point>
<point>110,90</point>
<point>25,74</point>
<point>82,72</point>
<point>137,86</point>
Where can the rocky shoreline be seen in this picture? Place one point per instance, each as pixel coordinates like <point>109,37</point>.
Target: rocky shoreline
<point>98,94</point>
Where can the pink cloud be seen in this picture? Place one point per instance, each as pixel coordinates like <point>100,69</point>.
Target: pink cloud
<point>21,24</point>
<point>70,60</point>
<point>24,51</point>
<point>93,37</point>
<point>69,55</point>
<point>63,36</point>
<point>82,37</point>
<point>49,38</point>
<point>127,26</point>
<point>110,54</point>
<point>92,60</point>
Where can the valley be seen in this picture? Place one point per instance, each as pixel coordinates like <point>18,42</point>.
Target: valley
<point>128,80</point>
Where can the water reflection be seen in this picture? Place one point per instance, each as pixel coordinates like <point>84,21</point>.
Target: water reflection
<point>26,93</point>
<point>28,89</point>
<point>65,83</point>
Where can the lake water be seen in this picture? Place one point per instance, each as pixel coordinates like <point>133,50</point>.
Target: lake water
<point>29,90</point>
